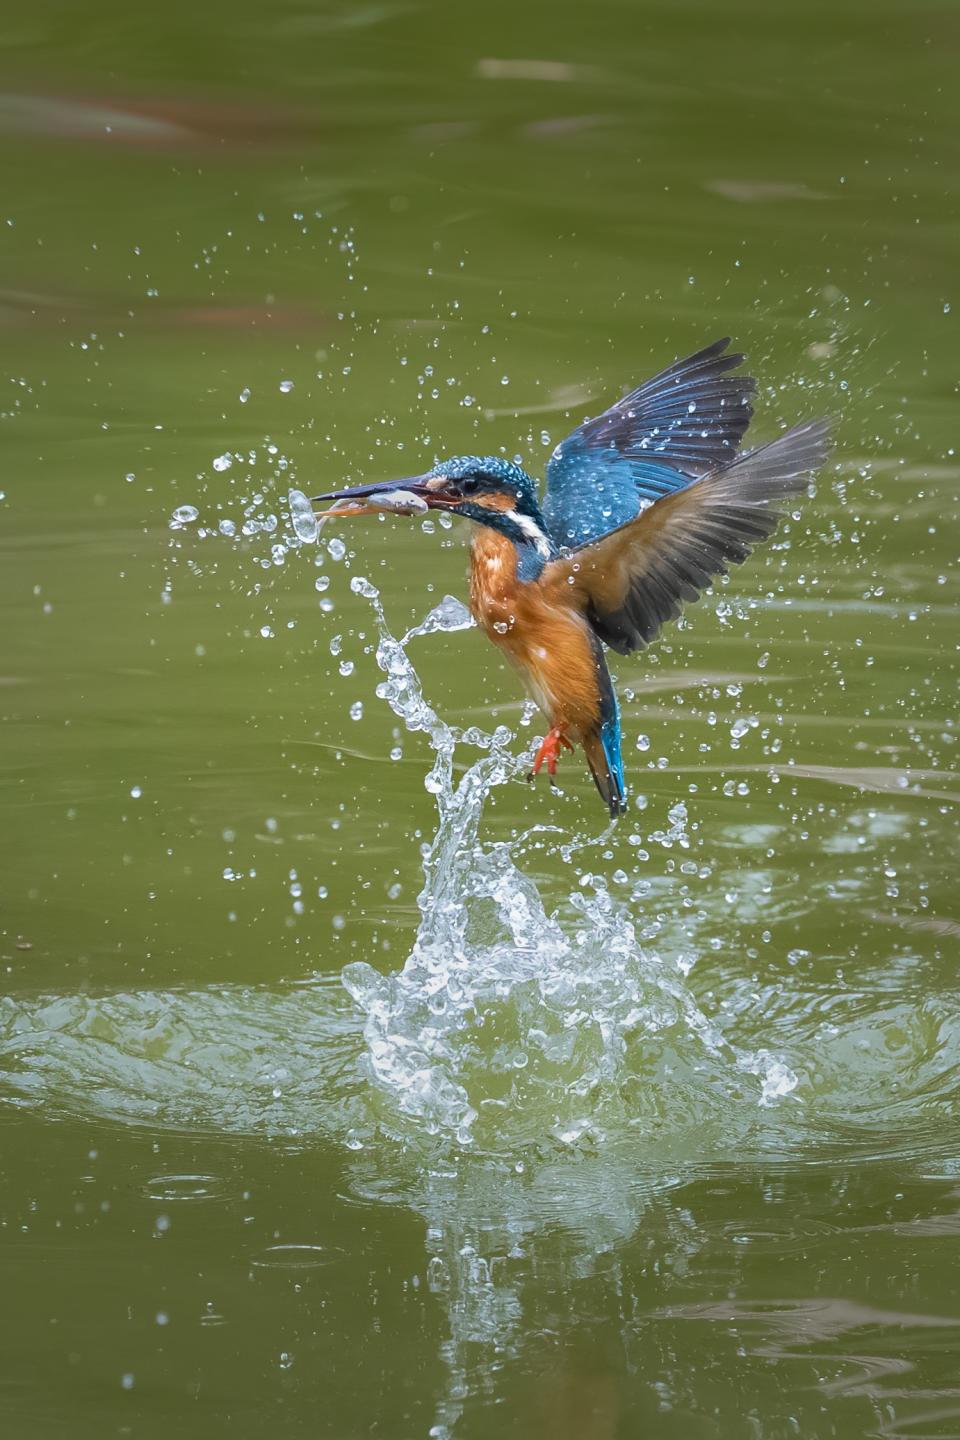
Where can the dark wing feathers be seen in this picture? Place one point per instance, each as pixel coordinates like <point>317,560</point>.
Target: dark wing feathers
<point>692,416</point>
<point>685,422</point>
<point>633,580</point>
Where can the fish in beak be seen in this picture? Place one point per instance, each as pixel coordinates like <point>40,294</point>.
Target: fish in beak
<point>413,496</point>
<point>397,497</point>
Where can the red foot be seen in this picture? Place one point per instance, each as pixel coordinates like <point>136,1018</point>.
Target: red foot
<point>550,750</point>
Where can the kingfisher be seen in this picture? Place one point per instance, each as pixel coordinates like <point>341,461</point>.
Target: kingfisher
<point>644,507</point>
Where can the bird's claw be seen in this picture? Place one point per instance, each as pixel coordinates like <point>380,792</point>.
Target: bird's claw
<point>551,748</point>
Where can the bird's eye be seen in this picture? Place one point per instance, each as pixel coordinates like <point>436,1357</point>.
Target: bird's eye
<point>470,486</point>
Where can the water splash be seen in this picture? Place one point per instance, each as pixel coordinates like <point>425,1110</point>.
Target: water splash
<point>450,615</point>
<point>546,1074</point>
<point>508,1025</point>
<point>545,1052</point>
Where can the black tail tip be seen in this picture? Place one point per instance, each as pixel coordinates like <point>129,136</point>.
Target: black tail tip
<point>616,804</point>
<point>605,776</point>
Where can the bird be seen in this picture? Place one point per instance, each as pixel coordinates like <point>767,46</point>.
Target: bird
<point>644,507</point>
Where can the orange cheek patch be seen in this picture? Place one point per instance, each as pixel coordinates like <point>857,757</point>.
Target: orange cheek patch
<point>496,501</point>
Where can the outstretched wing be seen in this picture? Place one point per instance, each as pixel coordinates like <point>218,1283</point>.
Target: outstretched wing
<point>632,581</point>
<point>685,422</point>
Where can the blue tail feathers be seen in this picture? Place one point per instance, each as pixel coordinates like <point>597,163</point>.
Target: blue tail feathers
<point>610,739</point>
<point>602,746</point>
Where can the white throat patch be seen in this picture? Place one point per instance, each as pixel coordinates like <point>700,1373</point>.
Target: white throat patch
<point>532,531</point>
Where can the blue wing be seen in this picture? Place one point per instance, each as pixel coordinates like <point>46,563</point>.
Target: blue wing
<point>631,582</point>
<point>684,423</point>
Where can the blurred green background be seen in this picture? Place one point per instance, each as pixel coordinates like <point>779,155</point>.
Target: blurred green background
<point>245,247</point>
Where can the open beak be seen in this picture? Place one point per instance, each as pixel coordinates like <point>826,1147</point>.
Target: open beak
<point>399,497</point>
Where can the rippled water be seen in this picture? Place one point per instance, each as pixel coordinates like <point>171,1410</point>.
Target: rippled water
<point>348,1084</point>
<point>526,1070</point>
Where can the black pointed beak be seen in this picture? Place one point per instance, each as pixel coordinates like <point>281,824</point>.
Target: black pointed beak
<point>390,494</point>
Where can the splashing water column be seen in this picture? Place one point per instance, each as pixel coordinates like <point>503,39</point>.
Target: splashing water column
<point>507,1025</point>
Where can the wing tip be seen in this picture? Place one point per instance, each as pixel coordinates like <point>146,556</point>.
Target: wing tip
<point>812,439</point>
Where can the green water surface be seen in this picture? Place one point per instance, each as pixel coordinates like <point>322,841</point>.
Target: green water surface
<point>365,234</point>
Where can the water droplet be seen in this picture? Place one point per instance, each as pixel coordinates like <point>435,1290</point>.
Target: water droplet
<point>360,585</point>
<point>303,519</point>
<point>450,615</point>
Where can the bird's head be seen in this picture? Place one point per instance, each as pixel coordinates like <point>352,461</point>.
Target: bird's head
<point>484,488</point>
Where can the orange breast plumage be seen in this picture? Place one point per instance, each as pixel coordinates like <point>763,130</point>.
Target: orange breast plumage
<point>548,642</point>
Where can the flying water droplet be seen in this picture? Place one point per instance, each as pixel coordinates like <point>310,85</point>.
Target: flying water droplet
<point>450,615</point>
<point>302,518</point>
<point>183,515</point>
